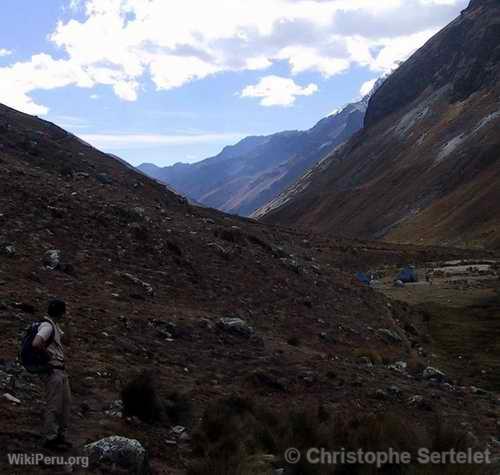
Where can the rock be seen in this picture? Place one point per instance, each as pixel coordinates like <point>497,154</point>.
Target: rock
<point>236,326</point>
<point>364,360</point>
<point>11,398</point>
<point>416,400</point>
<point>478,391</point>
<point>52,259</point>
<point>9,250</point>
<point>178,430</point>
<point>5,379</point>
<point>139,211</point>
<point>292,264</point>
<point>115,409</point>
<point>399,366</point>
<point>394,390</point>
<point>495,442</point>
<point>309,377</point>
<point>434,373</point>
<point>116,451</point>
<point>389,336</point>
<point>280,252</point>
<point>399,283</point>
<point>104,179</point>
<point>132,278</point>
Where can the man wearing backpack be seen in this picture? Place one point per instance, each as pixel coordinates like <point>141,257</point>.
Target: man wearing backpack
<point>48,342</point>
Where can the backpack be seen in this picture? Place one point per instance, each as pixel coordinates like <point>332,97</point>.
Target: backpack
<point>35,361</point>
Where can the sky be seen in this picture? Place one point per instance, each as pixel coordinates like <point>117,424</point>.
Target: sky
<point>166,81</point>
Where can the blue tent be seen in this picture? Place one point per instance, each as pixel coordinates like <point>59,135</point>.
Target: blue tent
<point>363,278</point>
<point>407,275</point>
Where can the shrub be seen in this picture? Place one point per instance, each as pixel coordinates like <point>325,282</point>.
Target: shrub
<point>238,437</point>
<point>294,341</point>
<point>140,399</point>
<point>372,355</point>
<point>178,409</point>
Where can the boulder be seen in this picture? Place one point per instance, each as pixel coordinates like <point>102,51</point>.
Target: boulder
<point>394,390</point>
<point>390,336</point>
<point>120,453</point>
<point>236,326</point>
<point>132,278</point>
<point>52,259</point>
<point>115,409</point>
<point>399,366</point>
<point>5,379</point>
<point>292,264</point>
<point>419,402</point>
<point>434,373</point>
<point>11,398</point>
<point>9,250</point>
<point>104,179</point>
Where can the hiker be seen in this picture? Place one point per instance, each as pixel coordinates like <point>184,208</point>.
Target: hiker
<point>57,390</point>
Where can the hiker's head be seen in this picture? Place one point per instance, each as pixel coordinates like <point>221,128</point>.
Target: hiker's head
<point>57,308</point>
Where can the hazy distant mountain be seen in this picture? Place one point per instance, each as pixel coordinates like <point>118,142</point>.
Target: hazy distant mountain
<point>247,175</point>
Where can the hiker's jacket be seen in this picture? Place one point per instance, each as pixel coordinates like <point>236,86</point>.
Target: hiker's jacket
<point>55,349</point>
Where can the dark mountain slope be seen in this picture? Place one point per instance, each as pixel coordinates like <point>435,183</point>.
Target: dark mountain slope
<point>245,176</point>
<point>427,166</point>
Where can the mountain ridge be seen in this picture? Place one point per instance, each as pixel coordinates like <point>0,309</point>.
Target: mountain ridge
<point>426,167</point>
<point>245,176</point>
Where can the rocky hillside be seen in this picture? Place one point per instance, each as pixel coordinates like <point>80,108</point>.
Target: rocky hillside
<point>247,175</point>
<point>427,166</point>
<point>209,304</point>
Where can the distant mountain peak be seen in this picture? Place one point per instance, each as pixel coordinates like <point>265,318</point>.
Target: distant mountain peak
<point>245,176</point>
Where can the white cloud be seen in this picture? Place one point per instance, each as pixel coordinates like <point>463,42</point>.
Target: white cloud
<point>122,43</point>
<point>303,59</point>
<point>127,141</point>
<point>278,91</point>
<point>94,97</point>
<point>126,90</point>
<point>393,52</point>
<point>367,87</point>
<point>5,52</point>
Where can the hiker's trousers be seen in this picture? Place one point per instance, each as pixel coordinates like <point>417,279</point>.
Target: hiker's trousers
<point>58,402</point>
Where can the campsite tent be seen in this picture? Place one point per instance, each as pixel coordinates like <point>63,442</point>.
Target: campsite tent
<point>407,275</point>
<point>363,278</point>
